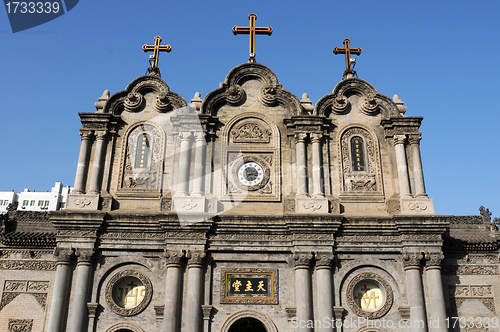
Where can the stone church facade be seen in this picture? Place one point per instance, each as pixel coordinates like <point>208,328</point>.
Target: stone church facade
<point>249,210</point>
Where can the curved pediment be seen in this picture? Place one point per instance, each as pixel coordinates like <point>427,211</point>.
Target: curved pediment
<point>232,92</point>
<point>368,100</point>
<point>132,99</point>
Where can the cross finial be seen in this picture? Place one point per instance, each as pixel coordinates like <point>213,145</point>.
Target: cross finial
<point>252,30</point>
<point>349,62</point>
<point>156,48</point>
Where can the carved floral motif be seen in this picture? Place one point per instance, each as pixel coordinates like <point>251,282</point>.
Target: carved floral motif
<point>250,132</point>
<point>303,259</point>
<point>20,325</point>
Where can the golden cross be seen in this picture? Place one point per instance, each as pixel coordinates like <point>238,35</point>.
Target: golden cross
<point>347,51</point>
<point>252,30</point>
<point>156,48</point>
<point>365,289</point>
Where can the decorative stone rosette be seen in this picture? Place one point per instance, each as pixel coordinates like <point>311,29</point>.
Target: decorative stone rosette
<point>162,102</point>
<point>368,105</point>
<point>134,102</point>
<point>115,281</point>
<point>340,105</point>
<point>235,94</point>
<point>268,95</point>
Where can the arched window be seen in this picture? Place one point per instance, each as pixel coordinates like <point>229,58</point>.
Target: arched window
<point>143,151</point>
<point>358,154</point>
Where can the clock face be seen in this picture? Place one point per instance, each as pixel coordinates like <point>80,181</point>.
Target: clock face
<point>250,173</point>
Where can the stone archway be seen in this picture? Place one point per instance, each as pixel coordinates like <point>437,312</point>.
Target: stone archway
<point>125,327</point>
<point>247,324</point>
<point>248,320</point>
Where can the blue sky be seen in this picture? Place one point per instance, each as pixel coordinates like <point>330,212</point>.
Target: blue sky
<point>440,57</point>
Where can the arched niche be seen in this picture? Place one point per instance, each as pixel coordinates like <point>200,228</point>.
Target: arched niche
<point>143,150</point>
<point>359,161</point>
<point>251,137</point>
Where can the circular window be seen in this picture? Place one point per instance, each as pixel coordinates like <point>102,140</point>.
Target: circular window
<point>128,292</point>
<point>369,295</point>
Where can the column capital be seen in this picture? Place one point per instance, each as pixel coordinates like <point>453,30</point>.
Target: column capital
<point>412,260</point>
<point>85,134</point>
<point>414,138</point>
<point>324,260</point>
<point>316,137</point>
<point>101,135</point>
<point>85,255</point>
<point>63,255</point>
<point>185,135</point>
<point>300,137</point>
<point>302,260</point>
<point>399,139</point>
<point>195,258</point>
<point>433,260</point>
<point>207,311</point>
<point>174,257</point>
<point>199,136</point>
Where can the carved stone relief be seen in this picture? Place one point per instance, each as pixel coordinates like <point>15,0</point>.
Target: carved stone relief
<point>250,132</point>
<point>460,293</point>
<point>14,288</point>
<point>20,325</point>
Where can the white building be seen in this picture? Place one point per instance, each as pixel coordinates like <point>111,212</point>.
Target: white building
<point>36,201</point>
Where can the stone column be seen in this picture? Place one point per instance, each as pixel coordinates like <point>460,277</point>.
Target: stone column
<point>404,184</point>
<point>95,185</point>
<point>59,304</point>
<point>411,263</point>
<point>199,175</point>
<point>184,161</point>
<point>317,166</point>
<point>173,290</point>
<point>303,287</point>
<point>194,291</point>
<point>418,174</point>
<point>301,164</point>
<point>82,167</point>
<point>82,288</point>
<point>324,289</point>
<point>436,295</point>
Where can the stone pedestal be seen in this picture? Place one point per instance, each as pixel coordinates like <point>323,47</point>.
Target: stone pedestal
<point>416,206</point>
<point>82,202</point>
<point>308,205</point>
